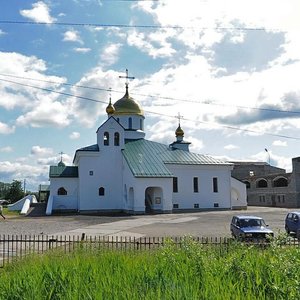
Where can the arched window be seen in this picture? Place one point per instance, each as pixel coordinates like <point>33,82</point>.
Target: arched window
<point>247,184</point>
<point>280,182</point>
<point>101,191</point>
<point>106,138</point>
<point>141,124</point>
<point>130,123</point>
<point>117,139</point>
<point>61,191</point>
<point>262,183</point>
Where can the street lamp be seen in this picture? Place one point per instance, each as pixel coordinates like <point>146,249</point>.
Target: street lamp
<point>268,155</point>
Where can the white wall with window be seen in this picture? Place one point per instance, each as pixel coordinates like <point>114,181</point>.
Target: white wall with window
<point>186,197</point>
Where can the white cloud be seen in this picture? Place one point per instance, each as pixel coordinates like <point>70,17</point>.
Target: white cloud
<point>74,135</point>
<point>6,129</point>
<point>40,12</point>
<point>279,143</point>
<point>154,44</point>
<point>6,149</point>
<point>196,144</point>
<point>34,106</point>
<point>72,36</point>
<point>109,55</point>
<point>82,50</point>
<point>48,112</point>
<point>88,112</point>
<point>231,147</point>
<point>41,151</point>
<point>2,32</point>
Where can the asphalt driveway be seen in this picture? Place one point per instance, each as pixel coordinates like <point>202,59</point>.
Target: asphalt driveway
<point>202,224</point>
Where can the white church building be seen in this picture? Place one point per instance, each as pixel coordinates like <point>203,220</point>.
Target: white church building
<point>126,173</point>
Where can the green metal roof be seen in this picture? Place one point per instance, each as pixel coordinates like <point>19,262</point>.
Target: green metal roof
<point>149,159</point>
<point>63,171</point>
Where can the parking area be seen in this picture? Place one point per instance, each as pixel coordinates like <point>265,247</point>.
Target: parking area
<point>202,224</point>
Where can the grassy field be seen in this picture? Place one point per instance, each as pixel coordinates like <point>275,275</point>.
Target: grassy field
<point>8,213</point>
<point>191,272</point>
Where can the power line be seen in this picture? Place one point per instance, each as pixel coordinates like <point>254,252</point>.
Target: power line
<point>160,114</point>
<point>135,26</point>
<point>205,102</point>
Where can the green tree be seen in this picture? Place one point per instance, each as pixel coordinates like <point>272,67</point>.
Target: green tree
<point>15,192</point>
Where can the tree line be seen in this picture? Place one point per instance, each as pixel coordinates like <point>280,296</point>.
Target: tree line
<point>12,191</point>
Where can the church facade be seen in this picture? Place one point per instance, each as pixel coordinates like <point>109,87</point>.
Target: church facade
<point>126,173</point>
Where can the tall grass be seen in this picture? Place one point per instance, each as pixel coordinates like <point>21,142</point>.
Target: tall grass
<point>189,272</point>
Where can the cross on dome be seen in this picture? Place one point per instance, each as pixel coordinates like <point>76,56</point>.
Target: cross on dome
<point>61,154</point>
<point>179,117</point>
<point>127,77</point>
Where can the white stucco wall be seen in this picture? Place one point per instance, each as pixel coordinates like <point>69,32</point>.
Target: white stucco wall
<point>238,194</point>
<point>206,198</point>
<point>69,201</point>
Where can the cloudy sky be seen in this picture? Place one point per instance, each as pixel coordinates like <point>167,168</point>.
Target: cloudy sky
<point>230,68</point>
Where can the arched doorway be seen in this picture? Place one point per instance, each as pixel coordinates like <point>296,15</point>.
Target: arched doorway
<point>153,199</point>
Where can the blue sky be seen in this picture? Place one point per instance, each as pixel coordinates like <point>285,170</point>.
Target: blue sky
<point>230,68</point>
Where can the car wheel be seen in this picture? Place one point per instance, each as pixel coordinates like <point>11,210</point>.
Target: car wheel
<point>287,230</point>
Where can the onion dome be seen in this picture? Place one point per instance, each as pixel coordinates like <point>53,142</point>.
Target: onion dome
<point>127,106</point>
<point>110,108</point>
<point>179,131</point>
<point>61,164</point>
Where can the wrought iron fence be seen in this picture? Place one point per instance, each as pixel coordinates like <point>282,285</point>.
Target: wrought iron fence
<point>13,247</point>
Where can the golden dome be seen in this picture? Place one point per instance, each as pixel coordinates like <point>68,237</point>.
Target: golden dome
<point>110,108</point>
<point>179,131</point>
<point>127,106</point>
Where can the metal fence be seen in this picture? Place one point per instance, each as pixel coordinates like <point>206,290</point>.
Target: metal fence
<point>14,247</point>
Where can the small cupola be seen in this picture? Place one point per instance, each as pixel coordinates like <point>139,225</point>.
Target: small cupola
<point>110,108</point>
<point>179,133</point>
<point>179,143</point>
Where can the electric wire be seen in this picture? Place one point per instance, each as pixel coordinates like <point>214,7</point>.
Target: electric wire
<point>205,102</point>
<point>150,26</point>
<point>155,113</point>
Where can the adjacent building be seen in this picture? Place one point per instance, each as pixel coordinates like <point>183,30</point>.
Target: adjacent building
<point>268,185</point>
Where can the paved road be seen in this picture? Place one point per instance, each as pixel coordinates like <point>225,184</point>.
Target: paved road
<point>208,224</point>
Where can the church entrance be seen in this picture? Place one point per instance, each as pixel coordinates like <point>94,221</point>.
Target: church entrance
<point>153,199</point>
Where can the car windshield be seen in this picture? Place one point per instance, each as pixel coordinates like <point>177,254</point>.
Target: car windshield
<point>251,222</point>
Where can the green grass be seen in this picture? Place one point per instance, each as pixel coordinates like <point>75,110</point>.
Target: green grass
<point>7,212</point>
<point>191,272</point>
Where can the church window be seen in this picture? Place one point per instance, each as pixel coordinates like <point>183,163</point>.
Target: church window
<point>196,205</point>
<point>215,185</point>
<point>262,183</point>
<point>175,185</point>
<point>61,191</point>
<point>195,182</point>
<point>117,139</point>
<point>130,123</point>
<point>106,138</point>
<point>101,191</point>
<point>91,173</point>
<point>141,124</point>
<point>175,205</point>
